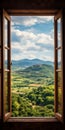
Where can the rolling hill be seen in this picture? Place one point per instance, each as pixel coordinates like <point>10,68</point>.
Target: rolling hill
<point>37,72</point>
<point>40,70</point>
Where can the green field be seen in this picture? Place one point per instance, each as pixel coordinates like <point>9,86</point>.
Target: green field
<point>33,91</point>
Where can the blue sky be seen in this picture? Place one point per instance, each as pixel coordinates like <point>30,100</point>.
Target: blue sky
<point>32,37</point>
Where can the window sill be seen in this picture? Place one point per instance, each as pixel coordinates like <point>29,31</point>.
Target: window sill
<point>32,119</point>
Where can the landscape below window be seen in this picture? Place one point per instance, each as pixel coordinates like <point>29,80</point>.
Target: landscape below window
<point>32,76</point>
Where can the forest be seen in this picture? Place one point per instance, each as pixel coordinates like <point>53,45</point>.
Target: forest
<point>33,91</point>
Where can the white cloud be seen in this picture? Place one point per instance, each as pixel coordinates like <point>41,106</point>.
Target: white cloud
<point>30,20</point>
<point>16,45</point>
<point>39,38</point>
<point>29,39</point>
<point>24,34</point>
<point>31,44</point>
<point>45,39</point>
<point>48,58</point>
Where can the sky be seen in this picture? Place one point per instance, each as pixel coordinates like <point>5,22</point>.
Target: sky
<point>32,37</point>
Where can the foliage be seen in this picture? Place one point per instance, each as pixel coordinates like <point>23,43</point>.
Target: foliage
<point>33,91</point>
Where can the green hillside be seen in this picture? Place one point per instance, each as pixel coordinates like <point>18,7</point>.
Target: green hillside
<point>38,67</point>
<point>40,70</point>
<point>33,91</point>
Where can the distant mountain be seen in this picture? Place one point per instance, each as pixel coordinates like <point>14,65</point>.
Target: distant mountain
<point>27,63</point>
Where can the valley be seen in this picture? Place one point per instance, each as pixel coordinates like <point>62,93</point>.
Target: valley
<point>32,90</point>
